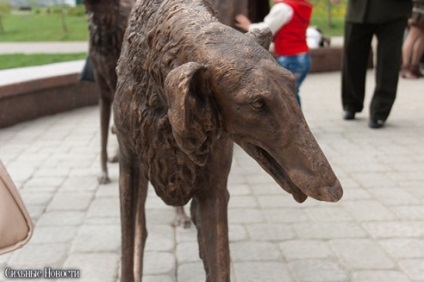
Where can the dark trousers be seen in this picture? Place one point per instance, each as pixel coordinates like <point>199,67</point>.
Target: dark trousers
<point>357,44</point>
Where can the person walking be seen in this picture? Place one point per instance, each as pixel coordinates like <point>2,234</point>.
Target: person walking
<point>288,21</point>
<point>413,46</point>
<point>386,19</point>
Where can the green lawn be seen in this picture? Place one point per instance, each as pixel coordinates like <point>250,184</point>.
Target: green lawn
<point>45,24</point>
<point>43,27</point>
<point>22,60</point>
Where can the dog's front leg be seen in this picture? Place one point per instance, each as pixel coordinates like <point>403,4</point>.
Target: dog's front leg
<point>209,213</point>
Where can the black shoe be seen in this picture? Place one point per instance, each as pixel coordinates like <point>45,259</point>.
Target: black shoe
<point>348,115</point>
<point>375,123</point>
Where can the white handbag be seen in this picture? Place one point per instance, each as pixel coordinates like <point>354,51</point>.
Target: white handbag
<point>16,226</point>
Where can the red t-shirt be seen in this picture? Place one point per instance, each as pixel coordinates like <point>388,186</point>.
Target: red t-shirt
<point>291,38</point>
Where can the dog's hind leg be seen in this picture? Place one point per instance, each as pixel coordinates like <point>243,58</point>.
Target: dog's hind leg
<point>181,218</point>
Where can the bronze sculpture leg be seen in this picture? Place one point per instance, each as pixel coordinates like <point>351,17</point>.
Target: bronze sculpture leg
<point>209,213</point>
<point>133,192</point>
<point>105,111</point>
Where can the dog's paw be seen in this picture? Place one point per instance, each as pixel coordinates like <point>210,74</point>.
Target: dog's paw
<point>103,179</point>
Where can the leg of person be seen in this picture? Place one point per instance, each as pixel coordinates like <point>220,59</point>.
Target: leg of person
<point>357,45</point>
<point>390,36</point>
<point>411,50</point>
<point>417,51</point>
<point>299,66</point>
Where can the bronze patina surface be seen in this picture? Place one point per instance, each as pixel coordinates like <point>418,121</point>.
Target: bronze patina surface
<point>188,87</point>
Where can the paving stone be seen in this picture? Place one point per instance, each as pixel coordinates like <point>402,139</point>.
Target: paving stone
<point>61,218</point>
<point>238,190</point>
<point>35,256</point>
<point>361,254</point>
<point>414,268</point>
<point>244,216</point>
<point>283,199</point>
<point>242,202</point>
<point>160,238</point>
<point>101,267</point>
<point>97,238</point>
<point>158,263</point>
<point>404,248</point>
<point>368,210</point>
<point>54,234</point>
<point>321,270</point>
<point>191,272</point>
<point>286,215</point>
<point>261,271</point>
<point>254,251</point>
<point>187,252</point>
<point>158,278</point>
<point>328,230</point>
<point>394,229</point>
<point>409,213</point>
<point>80,184</point>
<point>237,233</point>
<point>77,201</point>
<point>333,213</point>
<point>36,198</point>
<point>394,196</point>
<point>104,207</point>
<point>40,182</point>
<point>272,232</point>
<point>379,276</point>
<point>304,249</point>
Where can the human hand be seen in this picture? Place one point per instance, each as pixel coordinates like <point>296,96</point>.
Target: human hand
<point>242,22</point>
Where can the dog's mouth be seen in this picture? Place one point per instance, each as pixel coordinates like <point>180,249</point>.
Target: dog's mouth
<point>273,167</point>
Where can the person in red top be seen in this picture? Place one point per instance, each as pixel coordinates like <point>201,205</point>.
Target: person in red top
<point>288,21</point>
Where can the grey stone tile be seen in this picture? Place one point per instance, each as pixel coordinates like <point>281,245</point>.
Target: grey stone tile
<point>244,216</point>
<point>237,233</point>
<point>266,271</point>
<point>104,207</point>
<point>286,215</point>
<point>187,252</point>
<point>254,251</point>
<point>61,218</point>
<point>272,232</point>
<point>379,276</point>
<point>35,256</point>
<point>156,263</point>
<point>76,201</point>
<point>369,210</point>
<point>395,229</point>
<point>414,268</point>
<point>328,230</point>
<point>333,213</point>
<point>159,278</point>
<point>101,267</point>
<point>191,272</point>
<point>36,198</point>
<point>54,234</point>
<point>320,270</point>
<point>304,249</point>
<point>97,238</point>
<point>242,202</point>
<point>404,248</point>
<point>409,213</point>
<point>160,238</point>
<point>361,254</point>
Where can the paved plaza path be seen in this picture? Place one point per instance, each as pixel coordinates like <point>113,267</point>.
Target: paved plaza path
<point>374,234</point>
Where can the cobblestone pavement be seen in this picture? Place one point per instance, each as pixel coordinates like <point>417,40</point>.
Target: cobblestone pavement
<point>374,234</point>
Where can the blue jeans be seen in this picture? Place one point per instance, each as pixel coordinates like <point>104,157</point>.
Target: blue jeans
<point>299,66</point>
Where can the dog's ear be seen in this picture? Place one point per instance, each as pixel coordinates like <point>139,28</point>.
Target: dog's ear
<point>262,35</point>
<point>192,113</point>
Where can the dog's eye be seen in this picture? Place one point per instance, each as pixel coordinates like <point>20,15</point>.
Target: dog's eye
<point>258,104</point>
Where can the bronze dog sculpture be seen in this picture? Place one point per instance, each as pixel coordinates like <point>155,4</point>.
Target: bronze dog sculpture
<point>188,86</point>
<point>107,21</point>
